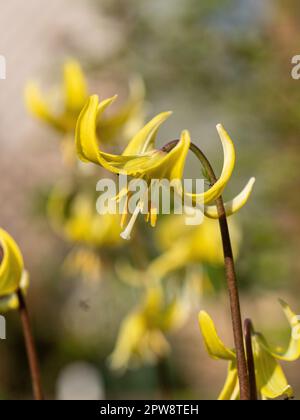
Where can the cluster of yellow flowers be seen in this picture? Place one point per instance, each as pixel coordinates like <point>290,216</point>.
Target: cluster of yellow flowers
<point>72,213</point>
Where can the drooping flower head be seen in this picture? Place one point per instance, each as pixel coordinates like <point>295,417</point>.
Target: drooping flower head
<point>12,273</point>
<point>142,160</point>
<point>270,378</point>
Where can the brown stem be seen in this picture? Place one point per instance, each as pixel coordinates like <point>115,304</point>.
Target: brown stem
<point>30,348</point>
<point>250,359</point>
<point>164,380</point>
<point>232,283</point>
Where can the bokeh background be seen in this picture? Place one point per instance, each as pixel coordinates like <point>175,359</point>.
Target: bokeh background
<point>210,61</point>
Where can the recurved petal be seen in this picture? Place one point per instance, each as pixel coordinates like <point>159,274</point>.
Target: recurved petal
<point>292,352</point>
<point>229,161</point>
<point>75,86</point>
<point>234,205</point>
<point>271,380</point>
<point>231,390</point>
<point>87,143</point>
<point>214,345</point>
<point>144,140</point>
<point>11,266</point>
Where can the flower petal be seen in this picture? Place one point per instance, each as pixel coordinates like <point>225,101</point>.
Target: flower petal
<point>234,205</point>
<point>88,144</point>
<point>175,258</point>
<point>11,301</point>
<point>293,351</point>
<point>174,162</point>
<point>75,86</point>
<point>130,117</point>
<point>229,161</point>
<point>231,390</point>
<point>86,139</point>
<point>11,266</point>
<point>271,380</point>
<point>214,345</point>
<point>144,140</point>
<point>131,333</point>
<point>41,107</point>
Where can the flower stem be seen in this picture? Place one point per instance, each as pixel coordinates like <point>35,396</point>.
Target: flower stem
<point>30,348</point>
<point>250,360</point>
<point>232,283</point>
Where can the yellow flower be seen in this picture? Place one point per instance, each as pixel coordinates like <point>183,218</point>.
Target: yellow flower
<point>234,205</point>
<point>182,245</point>
<point>142,160</point>
<point>12,273</point>
<point>142,334</point>
<point>73,213</point>
<point>271,381</point>
<point>72,96</point>
<point>61,107</point>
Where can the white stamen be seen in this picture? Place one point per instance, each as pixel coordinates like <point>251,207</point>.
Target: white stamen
<point>126,233</point>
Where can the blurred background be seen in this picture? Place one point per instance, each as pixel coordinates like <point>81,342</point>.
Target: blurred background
<point>209,61</point>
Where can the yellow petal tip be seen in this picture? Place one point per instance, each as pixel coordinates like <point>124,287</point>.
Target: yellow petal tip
<point>166,114</point>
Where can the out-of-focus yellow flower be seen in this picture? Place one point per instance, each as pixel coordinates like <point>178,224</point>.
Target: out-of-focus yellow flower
<point>182,245</point>
<point>142,334</point>
<point>73,214</point>
<point>61,107</point>
<point>271,380</point>
<point>234,205</point>
<point>12,273</point>
<point>84,263</point>
<point>140,159</point>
